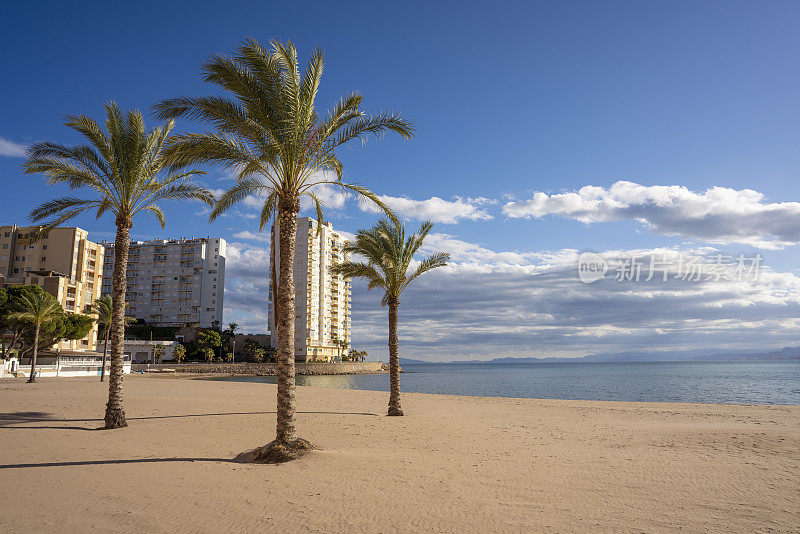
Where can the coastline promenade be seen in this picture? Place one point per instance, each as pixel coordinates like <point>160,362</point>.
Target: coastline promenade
<point>262,369</point>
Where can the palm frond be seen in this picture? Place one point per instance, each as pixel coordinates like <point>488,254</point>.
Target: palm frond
<point>268,211</point>
<point>435,261</point>
<point>159,213</point>
<point>241,190</point>
<point>266,127</point>
<point>362,127</point>
<point>364,192</point>
<point>318,207</point>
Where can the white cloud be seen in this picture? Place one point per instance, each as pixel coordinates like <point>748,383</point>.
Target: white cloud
<point>11,149</point>
<point>718,215</point>
<point>330,197</point>
<point>250,236</point>
<point>434,208</point>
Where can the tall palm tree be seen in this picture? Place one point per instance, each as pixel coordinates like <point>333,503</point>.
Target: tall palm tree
<point>389,253</point>
<point>103,309</point>
<point>39,309</point>
<point>269,132</point>
<point>125,171</point>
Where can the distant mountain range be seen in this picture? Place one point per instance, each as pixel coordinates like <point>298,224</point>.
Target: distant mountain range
<point>786,353</point>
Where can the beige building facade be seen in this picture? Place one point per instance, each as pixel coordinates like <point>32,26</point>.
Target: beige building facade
<point>322,299</point>
<point>64,263</point>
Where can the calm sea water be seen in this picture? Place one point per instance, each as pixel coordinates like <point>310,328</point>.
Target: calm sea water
<point>731,382</point>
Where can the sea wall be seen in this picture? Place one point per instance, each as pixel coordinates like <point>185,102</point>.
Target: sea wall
<point>268,369</point>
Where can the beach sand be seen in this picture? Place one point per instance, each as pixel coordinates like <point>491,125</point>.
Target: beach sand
<point>453,464</point>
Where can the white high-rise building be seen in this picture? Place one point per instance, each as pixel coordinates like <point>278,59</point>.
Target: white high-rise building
<point>176,282</point>
<point>322,299</point>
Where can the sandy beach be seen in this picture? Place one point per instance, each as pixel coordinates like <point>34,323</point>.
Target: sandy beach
<point>453,464</point>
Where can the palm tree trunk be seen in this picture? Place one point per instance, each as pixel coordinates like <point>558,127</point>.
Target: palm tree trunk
<point>115,415</point>
<point>273,280</point>
<point>105,351</point>
<point>32,378</point>
<point>285,321</point>
<point>286,445</point>
<point>394,360</point>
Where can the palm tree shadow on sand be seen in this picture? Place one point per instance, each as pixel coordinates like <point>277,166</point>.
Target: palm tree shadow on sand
<point>22,420</point>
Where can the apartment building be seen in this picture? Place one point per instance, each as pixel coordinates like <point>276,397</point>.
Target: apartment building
<point>64,263</point>
<point>322,300</point>
<point>176,282</point>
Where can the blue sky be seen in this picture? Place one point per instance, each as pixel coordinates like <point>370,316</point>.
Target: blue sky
<point>509,100</point>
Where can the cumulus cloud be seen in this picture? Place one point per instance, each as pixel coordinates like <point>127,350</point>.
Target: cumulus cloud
<point>717,215</point>
<point>434,208</point>
<point>11,149</point>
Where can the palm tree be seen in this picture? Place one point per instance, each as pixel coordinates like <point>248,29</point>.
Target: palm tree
<point>103,308</point>
<point>269,132</point>
<point>388,253</point>
<point>40,309</point>
<point>124,169</point>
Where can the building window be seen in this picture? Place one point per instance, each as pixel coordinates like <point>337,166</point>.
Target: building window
<point>44,247</point>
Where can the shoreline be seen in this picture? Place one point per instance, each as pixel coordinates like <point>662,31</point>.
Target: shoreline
<point>214,377</point>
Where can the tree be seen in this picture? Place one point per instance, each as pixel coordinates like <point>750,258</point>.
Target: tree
<point>335,341</point>
<point>37,309</point>
<point>258,355</point>
<point>73,326</point>
<point>11,305</point>
<point>179,353</point>
<point>389,254</point>
<point>208,339</point>
<point>103,309</point>
<point>208,352</point>
<point>124,168</point>
<point>3,312</point>
<point>68,326</point>
<point>158,353</point>
<point>270,133</point>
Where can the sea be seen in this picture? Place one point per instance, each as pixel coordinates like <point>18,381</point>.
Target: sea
<point>727,382</point>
